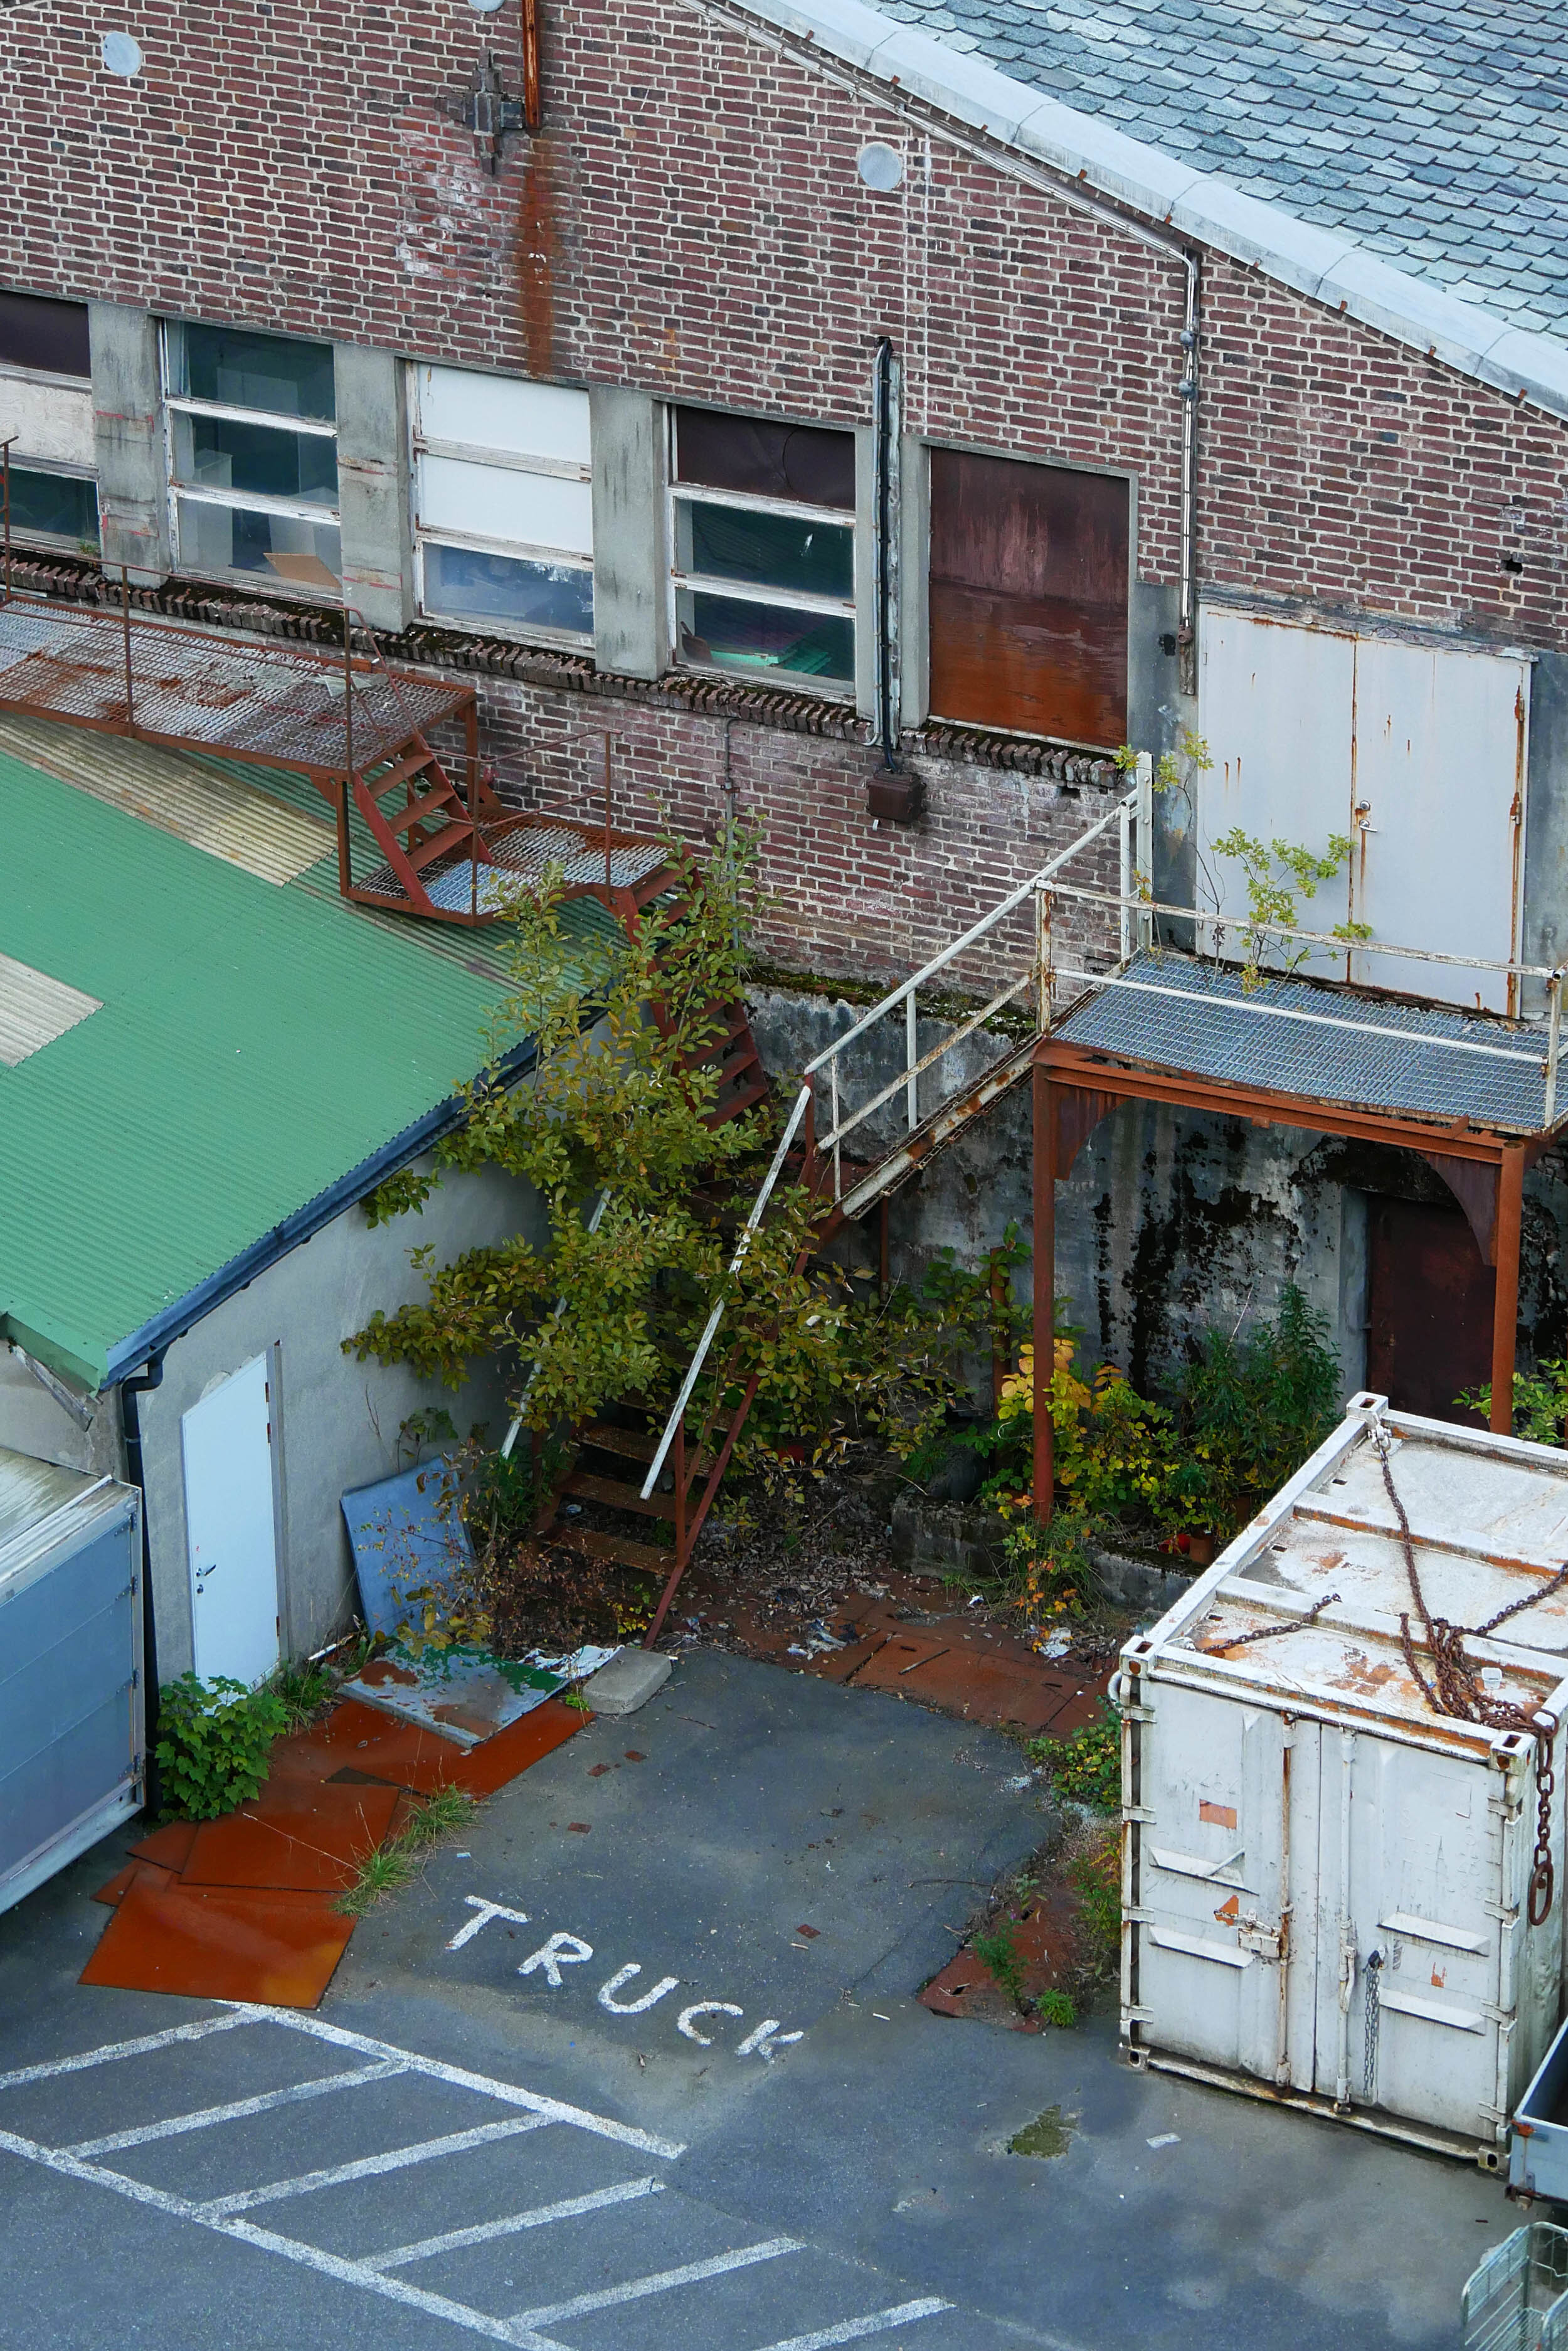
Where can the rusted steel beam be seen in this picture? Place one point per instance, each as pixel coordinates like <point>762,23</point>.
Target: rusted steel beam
<point>1044,1276</point>
<point>1264,1107</point>
<point>1505,1307</point>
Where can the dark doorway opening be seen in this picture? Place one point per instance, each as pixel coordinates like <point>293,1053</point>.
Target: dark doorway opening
<point>1428,1307</point>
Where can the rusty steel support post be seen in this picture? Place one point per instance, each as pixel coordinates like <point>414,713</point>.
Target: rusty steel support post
<point>1505,1308</point>
<point>5,497</point>
<point>681,1496</point>
<point>1044,1330</point>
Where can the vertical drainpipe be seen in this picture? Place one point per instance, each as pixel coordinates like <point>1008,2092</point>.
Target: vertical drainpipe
<point>141,1383</point>
<point>1186,615</point>
<point>884,411</point>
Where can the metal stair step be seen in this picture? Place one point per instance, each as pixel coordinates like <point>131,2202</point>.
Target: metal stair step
<point>414,764</point>
<point>419,811</point>
<point>441,845</point>
<point>636,1445</point>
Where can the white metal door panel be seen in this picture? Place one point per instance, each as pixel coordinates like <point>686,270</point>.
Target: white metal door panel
<point>1275,705</point>
<point>1438,814</point>
<point>230,1528</point>
<point>1425,1854</point>
<point>1208,1896</point>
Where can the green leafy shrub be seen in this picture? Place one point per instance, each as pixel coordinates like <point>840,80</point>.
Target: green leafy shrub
<point>1254,1407</point>
<point>1086,1767</point>
<point>1055,2007</point>
<point>213,1743</point>
<point>1091,1865</point>
<point>1540,1402</point>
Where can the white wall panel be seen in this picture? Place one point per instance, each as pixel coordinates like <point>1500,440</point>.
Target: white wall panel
<point>50,422</point>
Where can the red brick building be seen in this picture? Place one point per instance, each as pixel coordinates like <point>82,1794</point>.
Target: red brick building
<point>808,394</point>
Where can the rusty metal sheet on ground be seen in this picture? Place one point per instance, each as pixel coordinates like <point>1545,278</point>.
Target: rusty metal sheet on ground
<point>221,1943</point>
<point>144,1872</point>
<point>377,1746</point>
<point>489,1766</point>
<point>315,1846</point>
<point>170,1846</point>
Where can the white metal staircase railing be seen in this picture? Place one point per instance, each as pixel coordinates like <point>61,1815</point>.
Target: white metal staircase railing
<point>964,1097</point>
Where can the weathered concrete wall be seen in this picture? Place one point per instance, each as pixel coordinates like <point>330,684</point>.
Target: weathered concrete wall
<point>1170,1220</point>
<point>337,1419</point>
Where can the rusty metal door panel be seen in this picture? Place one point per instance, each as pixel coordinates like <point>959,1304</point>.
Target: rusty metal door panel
<point>1439,813</point>
<point>1428,1307</point>
<point>1230,1827</point>
<point>1275,704</point>
<point>1029,598</point>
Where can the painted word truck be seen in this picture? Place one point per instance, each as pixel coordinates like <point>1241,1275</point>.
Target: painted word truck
<point>1343,1859</point>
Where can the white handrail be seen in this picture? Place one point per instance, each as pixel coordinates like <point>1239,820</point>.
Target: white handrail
<point>511,1436</point>
<point>802,1102</point>
<point>976,931</point>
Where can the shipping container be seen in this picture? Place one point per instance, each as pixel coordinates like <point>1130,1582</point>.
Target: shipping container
<point>1327,1879</point>
<point>71,1698</point>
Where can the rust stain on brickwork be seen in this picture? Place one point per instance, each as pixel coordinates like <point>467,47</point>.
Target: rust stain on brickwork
<point>539,254</point>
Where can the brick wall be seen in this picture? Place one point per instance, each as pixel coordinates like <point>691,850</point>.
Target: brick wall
<point>691,222</point>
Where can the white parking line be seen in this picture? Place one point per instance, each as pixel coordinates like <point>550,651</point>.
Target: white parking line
<point>112,2050</point>
<point>321,2085</point>
<point>855,2330</point>
<point>658,2282</point>
<point>569,2208</point>
<point>554,2110</point>
<point>371,2167</point>
<point>292,2249</point>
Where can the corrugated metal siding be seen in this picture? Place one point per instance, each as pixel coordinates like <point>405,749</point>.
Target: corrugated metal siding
<point>34,1009</point>
<point>255,1045</point>
<point>222,814</point>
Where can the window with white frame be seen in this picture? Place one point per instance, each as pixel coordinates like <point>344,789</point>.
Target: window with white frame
<point>762,545</point>
<point>253,455</point>
<point>46,414</point>
<point>503,504</point>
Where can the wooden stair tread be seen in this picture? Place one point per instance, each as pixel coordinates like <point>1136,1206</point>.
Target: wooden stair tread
<point>636,1445</point>
<point>617,1497</point>
<point>652,1558</point>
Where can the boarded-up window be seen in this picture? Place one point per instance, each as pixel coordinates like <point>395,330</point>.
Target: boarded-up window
<point>1029,598</point>
<point>48,336</point>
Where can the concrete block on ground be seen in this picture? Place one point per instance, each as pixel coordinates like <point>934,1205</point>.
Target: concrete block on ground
<point>628,1681</point>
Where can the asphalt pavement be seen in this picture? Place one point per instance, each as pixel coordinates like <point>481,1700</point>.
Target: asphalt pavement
<point>638,2062</point>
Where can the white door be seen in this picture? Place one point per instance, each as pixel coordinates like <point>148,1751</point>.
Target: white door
<point>1414,754</point>
<point>1438,814</point>
<point>230,1528</point>
<point>1226,1890</point>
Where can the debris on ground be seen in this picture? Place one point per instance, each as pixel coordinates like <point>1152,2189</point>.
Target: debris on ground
<point>1042,1947</point>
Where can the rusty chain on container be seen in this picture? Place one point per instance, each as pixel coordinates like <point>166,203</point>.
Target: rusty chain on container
<point>1274,1632</point>
<point>1455,1686</point>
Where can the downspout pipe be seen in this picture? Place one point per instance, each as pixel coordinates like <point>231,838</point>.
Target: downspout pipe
<point>885,408</point>
<point>143,1383</point>
<point>982,148</point>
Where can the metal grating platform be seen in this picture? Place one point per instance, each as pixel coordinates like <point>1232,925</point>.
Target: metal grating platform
<point>273,702</point>
<point>1321,1043</point>
<point>523,852</point>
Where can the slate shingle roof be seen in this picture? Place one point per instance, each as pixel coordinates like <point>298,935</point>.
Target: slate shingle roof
<point>1433,133</point>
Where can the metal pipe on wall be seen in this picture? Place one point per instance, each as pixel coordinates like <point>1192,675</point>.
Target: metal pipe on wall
<point>884,518</point>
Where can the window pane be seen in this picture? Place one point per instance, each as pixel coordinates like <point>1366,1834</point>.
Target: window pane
<point>467,586</point>
<point>215,453</point>
<point>769,461</point>
<point>729,635</point>
<point>36,333</point>
<point>494,411</point>
<point>770,550</point>
<point>281,547</point>
<point>59,504</point>
<point>252,371</point>
<point>496,502</point>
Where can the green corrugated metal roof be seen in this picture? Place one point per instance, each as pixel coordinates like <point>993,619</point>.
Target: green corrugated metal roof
<point>256,1045</point>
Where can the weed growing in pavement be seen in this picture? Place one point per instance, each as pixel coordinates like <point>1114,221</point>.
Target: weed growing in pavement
<point>392,1865</point>
<point>1091,1862</point>
<point>304,1691</point>
<point>213,1742</point>
<point>1055,2007</point>
<point>1086,1767</point>
<point>1046,2136</point>
<point>998,1950</point>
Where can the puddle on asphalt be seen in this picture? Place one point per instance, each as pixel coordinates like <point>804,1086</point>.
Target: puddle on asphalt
<point>1046,2136</point>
